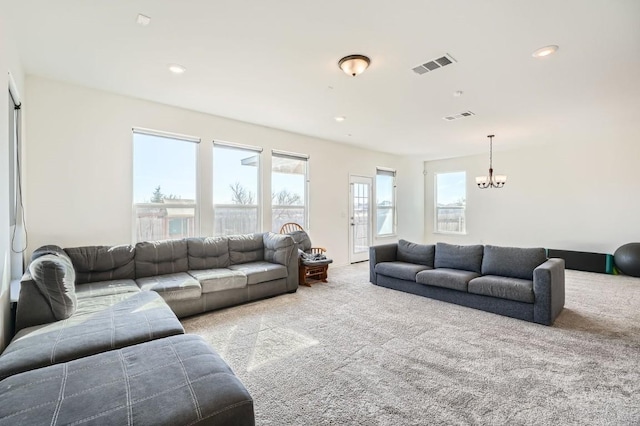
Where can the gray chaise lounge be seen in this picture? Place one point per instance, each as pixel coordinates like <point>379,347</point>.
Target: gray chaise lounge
<point>516,282</point>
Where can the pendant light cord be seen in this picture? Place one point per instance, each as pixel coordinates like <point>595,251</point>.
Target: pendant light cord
<point>17,120</point>
<point>490,151</point>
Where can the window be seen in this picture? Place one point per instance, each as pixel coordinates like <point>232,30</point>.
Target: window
<point>385,201</point>
<point>288,189</point>
<point>451,200</point>
<point>236,183</point>
<point>164,185</point>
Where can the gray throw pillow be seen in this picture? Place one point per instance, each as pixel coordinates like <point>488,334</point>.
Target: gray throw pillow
<point>419,254</point>
<point>465,258</point>
<point>512,262</point>
<point>55,278</point>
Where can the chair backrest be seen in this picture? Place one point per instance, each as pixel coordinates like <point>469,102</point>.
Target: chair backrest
<point>290,227</point>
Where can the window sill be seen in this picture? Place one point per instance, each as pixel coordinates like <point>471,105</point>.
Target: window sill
<point>449,233</point>
<point>386,236</point>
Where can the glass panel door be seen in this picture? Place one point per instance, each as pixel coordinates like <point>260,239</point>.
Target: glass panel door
<point>360,218</point>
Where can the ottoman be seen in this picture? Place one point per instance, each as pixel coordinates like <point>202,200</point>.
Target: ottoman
<point>177,380</point>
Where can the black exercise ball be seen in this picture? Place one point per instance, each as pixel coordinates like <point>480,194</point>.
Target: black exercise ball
<point>627,259</point>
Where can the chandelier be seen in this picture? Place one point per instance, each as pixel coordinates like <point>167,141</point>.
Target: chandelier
<point>491,181</point>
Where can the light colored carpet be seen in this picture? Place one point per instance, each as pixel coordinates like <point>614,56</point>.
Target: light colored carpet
<point>349,352</point>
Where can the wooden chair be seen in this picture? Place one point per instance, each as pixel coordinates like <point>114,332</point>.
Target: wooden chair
<point>308,271</point>
<point>290,227</point>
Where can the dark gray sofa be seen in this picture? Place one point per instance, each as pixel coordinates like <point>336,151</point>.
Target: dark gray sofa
<point>516,282</point>
<point>98,339</point>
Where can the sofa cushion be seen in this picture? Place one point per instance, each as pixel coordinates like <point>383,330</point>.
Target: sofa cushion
<point>512,262</point>
<point>208,253</point>
<point>421,254</point>
<point>454,279</point>
<point>54,276</point>
<point>278,248</point>
<point>301,239</point>
<point>177,380</point>
<point>246,248</point>
<point>172,287</point>
<point>102,263</point>
<point>259,272</point>
<point>106,288</point>
<point>219,279</point>
<point>161,257</point>
<point>99,324</point>
<point>466,258</point>
<point>503,287</point>
<point>400,270</point>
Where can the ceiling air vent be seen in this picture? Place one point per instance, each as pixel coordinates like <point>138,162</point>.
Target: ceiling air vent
<point>458,116</point>
<point>434,64</point>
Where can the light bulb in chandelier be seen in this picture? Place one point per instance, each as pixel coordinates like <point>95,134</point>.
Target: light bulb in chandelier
<point>491,180</point>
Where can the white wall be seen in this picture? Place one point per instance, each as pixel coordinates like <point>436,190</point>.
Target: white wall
<point>8,62</point>
<point>79,181</point>
<point>579,194</point>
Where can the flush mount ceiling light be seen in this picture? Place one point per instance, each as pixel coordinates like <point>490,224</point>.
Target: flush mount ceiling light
<point>354,64</point>
<point>491,181</point>
<point>340,118</point>
<point>545,51</point>
<point>177,69</point>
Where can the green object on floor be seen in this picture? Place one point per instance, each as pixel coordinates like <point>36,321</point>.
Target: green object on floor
<point>610,268</point>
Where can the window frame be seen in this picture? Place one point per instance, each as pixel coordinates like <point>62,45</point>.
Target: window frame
<point>195,205</point>
<point>436,229</point>
<point>386,171</point>
<point>300,157</point>
<point>259,201</point>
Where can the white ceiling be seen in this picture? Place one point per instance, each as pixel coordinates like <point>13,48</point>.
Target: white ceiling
<point>274,63</point>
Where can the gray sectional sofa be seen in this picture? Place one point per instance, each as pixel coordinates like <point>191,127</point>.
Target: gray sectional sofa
<point>99,341</point>
<point>517,282</point>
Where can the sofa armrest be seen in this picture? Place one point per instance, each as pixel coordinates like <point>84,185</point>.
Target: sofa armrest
<point>281,248</point>
<point>548,290</point>
<point>381,253</point>
<point>32,308</point>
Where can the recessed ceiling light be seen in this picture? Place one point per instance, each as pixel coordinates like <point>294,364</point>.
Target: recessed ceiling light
<point>339,118</point>
<point>177,69</point>
<point>143,20</point>
<point>545,51</point>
